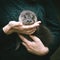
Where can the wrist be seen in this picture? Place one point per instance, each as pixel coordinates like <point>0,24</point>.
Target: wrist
<point>7,29</point>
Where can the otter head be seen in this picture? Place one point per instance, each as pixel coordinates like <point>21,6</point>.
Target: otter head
<point>27,17</point>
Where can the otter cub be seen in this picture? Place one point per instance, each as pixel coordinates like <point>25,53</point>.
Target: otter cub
<point>28,17</point>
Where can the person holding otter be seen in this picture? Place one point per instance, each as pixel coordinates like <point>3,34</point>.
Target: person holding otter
<point>13,44</point>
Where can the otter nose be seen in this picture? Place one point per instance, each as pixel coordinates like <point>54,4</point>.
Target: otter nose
<point>29,21</point>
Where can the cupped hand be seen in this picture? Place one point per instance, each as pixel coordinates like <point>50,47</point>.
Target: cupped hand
<point>18,27</point>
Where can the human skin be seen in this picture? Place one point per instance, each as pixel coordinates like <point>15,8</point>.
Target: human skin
<point>36,46</point>
<point>18,27</point>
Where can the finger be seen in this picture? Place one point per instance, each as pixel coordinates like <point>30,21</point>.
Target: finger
<point>31,31</point>
<point>32,26</point>
<point>35,38</point>
<point>18,24</point>
<point>38,22</point>
<point>24,39</point>
<point>27,46</point>
<point>14,23</point>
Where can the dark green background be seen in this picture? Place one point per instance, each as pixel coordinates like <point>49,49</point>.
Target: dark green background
<point>56,55</point>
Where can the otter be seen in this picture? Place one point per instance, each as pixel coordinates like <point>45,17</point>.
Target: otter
<point>28,17</point>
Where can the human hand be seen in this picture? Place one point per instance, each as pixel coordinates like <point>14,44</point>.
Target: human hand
<point>18,27</point>
<point>35,47</point>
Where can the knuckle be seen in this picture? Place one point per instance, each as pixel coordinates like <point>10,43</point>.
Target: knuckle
<point>11,22</point>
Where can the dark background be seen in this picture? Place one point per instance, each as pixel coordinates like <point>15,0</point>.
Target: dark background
<point>57,6</point>
<point>56,55</point>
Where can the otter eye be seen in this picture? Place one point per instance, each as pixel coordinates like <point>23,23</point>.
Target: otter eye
<point>24,16</point>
